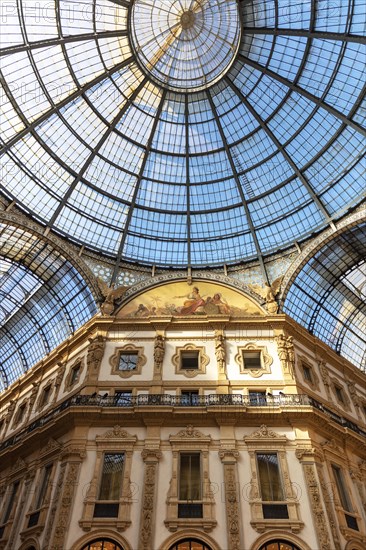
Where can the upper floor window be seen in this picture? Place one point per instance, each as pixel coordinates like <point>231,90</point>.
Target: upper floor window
<point>307,373</point>
<point>339,393</point>
<point>189,360</point>
<point>45,396</point>
<point>190,486</point>
<point>110,485</point>
<point>123,398</point>
<point>128,360</point>
<point>271,488</point>
<point>269,476</point>
<point>75,374</point>
<point>41,494</point>
<point>252,359</point>
<point>10,503</point>
<point>341,488</point>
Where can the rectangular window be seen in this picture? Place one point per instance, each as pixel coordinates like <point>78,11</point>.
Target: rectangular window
<point>41,496</point>
<point>190,476</point>
<point>9,506</point>
<point>341,487</point>
<point>43,487</point>
<point>190,491</point>
<point>339,393</point>
<point>21,413</point>
<point>307,373</point>
<point>189,360</point>
<point>252,360</point>
<point>111,481</point>
<point>269,477</point>
<point>110,486</point>
<point>75,373</point>
<point>45,396</point>
<point>128,361</point>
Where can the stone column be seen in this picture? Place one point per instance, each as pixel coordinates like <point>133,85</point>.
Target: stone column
<point>67,481</point>
<point>313,471</point>
<point>229,458</point>
<point>151,458</point>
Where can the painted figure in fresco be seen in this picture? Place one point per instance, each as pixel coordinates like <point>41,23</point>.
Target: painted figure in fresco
<point>222,305</point>
<point>193,302</point>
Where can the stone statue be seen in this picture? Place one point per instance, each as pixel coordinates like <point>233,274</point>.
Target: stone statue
<point>269,293</point>
<point>159,352</point>
<point>111,294</point>
<point>220,351</point>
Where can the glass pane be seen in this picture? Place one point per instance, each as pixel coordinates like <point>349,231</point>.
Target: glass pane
<point>190,477</point>
<point>111,482</point>
<point>128,361</point>
<point>269,477</point>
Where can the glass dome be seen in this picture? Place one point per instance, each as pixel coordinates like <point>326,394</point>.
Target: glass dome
<point>184,133</point>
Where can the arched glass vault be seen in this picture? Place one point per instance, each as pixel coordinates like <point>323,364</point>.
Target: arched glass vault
<point>190,133</point>
<point>43,299</point>
<point>177,139</point>
<point>328,295</point>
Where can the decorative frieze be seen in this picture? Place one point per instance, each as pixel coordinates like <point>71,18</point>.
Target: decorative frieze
<point>151,458</point>
<point>228,458</point>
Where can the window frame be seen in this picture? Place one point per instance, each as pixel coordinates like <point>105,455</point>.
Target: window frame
<point>203,360</point>
<point>109,501</point>
<point>266,360</point>
<point>129,349</point>
<point>266,441</point>
<point>115,441</point>
<point>190,441</point>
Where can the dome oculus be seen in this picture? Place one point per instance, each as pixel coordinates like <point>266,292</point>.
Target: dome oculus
<point>186,45</point>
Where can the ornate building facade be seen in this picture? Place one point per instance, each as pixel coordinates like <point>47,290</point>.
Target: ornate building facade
<point>190,417</point>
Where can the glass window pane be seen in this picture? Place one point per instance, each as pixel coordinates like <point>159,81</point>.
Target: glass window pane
<point>269,477</point>
<point>111,482</point>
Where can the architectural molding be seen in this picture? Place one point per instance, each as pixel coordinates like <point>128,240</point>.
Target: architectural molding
<point>203,360</point>
<point>266,360</point>
<point>115,359</point>
<point>151,458</point>
<point>229,458</point>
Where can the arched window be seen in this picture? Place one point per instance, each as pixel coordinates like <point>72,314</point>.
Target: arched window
<point>279,545</point>
<point>102,544</point>
<point>190,544</point>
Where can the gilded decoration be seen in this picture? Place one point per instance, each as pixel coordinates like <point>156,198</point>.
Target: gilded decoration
<point>111,295</point>
<point>203,360</point>
<point>114,361</point>
<point>317,507</point>
<point>266,360</point>
<point>269,293</point>
<point>181,299</point>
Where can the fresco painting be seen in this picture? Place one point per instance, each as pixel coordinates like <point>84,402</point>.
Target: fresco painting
<point>181,299</point>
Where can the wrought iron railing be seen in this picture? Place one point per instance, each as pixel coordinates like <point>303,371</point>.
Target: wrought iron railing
<point>166,400</point>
